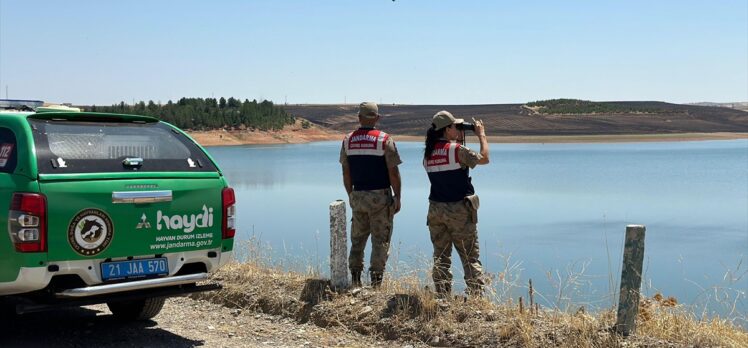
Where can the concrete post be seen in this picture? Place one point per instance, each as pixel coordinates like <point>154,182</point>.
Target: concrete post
<point>338,246</point>
<point>631,280</point>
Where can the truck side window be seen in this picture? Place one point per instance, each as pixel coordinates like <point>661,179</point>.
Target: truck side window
<point>8,151</point>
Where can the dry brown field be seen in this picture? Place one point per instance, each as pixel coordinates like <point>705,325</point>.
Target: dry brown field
<point>516,120</point>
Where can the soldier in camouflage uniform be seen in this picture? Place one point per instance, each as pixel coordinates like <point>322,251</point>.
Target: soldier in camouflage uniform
<point>453,205</point>
<point>370,175</point>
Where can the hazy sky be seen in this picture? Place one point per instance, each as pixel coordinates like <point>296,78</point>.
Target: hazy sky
<point>406,51</point>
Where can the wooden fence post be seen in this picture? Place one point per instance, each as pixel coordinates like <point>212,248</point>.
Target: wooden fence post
<point>531,294</point>
<point>631,279</point>
<point>338,246</point>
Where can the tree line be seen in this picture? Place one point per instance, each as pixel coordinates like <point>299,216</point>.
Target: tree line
<point>208,113</point>
<point>577,106</point>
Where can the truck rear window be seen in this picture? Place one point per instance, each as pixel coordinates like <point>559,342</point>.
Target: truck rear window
<point>64,146</point>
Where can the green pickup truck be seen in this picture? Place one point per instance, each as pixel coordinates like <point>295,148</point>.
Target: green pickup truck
<point>106,208</point>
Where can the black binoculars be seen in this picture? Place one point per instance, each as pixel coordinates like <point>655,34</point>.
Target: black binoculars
<point>466,126</point>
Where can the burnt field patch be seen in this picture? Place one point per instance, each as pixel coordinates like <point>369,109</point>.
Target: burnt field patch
<point>518,119</point>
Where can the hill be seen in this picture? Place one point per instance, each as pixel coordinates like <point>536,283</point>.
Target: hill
<point>595,118</point>
<point>736,105</point>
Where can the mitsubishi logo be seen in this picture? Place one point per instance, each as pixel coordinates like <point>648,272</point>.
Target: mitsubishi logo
<point>143,223</point>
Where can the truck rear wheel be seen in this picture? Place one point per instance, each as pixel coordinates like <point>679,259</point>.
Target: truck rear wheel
<point>142,309</point>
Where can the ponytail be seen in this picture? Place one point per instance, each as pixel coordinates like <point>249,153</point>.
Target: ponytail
<point>432,136</point>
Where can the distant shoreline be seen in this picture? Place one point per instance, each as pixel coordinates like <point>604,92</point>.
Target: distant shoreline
<point>613,138</point>
<point>297,136</point>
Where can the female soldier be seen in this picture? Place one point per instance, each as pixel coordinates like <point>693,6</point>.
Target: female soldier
<point>453,205</point>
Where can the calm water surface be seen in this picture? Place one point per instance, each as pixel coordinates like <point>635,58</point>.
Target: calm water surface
<point>553,213</point>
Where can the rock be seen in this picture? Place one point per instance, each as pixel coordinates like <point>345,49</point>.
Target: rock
<point>364,311</point>
<point>210,327</point>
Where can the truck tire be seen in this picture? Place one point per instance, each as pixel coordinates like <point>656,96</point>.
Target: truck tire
<point>142,309</point>
<point>7,312</point>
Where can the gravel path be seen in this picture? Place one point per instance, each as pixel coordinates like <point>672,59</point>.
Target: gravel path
<point>183,322</point>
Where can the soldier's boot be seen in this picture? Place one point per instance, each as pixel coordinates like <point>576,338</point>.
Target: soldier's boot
<point>474,288</point>
<point>474,291</point>
<point>376,279</point>
<point>443,290</point>
<point>356,278</point>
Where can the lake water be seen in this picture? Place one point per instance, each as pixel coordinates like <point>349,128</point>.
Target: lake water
<point>553,213</point>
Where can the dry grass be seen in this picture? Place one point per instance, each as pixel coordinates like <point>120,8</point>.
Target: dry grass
<point>665,319</point>
<point>406,310</point>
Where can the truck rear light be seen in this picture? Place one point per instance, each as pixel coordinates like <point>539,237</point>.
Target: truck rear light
<point>27,222</point>
<point>228,229</point>
<point>28,235</point>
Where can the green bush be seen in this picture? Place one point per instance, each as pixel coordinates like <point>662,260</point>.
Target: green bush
<point>576,106</point>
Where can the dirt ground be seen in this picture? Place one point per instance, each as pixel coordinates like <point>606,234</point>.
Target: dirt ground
<point>292,134</point>
<point>231,138</point>
<point>184,322</point>
<point>295,134</point>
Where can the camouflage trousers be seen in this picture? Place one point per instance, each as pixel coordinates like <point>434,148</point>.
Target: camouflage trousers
<point>452,224</point>
<point>373,213</point>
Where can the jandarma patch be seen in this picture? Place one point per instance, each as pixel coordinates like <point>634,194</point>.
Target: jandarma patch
<point>90,232</point>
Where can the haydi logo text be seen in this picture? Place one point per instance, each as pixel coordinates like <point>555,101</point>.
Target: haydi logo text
<point>187,223</point>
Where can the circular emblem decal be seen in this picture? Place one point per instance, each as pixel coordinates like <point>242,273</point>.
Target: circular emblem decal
<point>90,232</point>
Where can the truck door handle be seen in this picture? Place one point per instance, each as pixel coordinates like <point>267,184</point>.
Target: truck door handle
<point>136,197</point>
